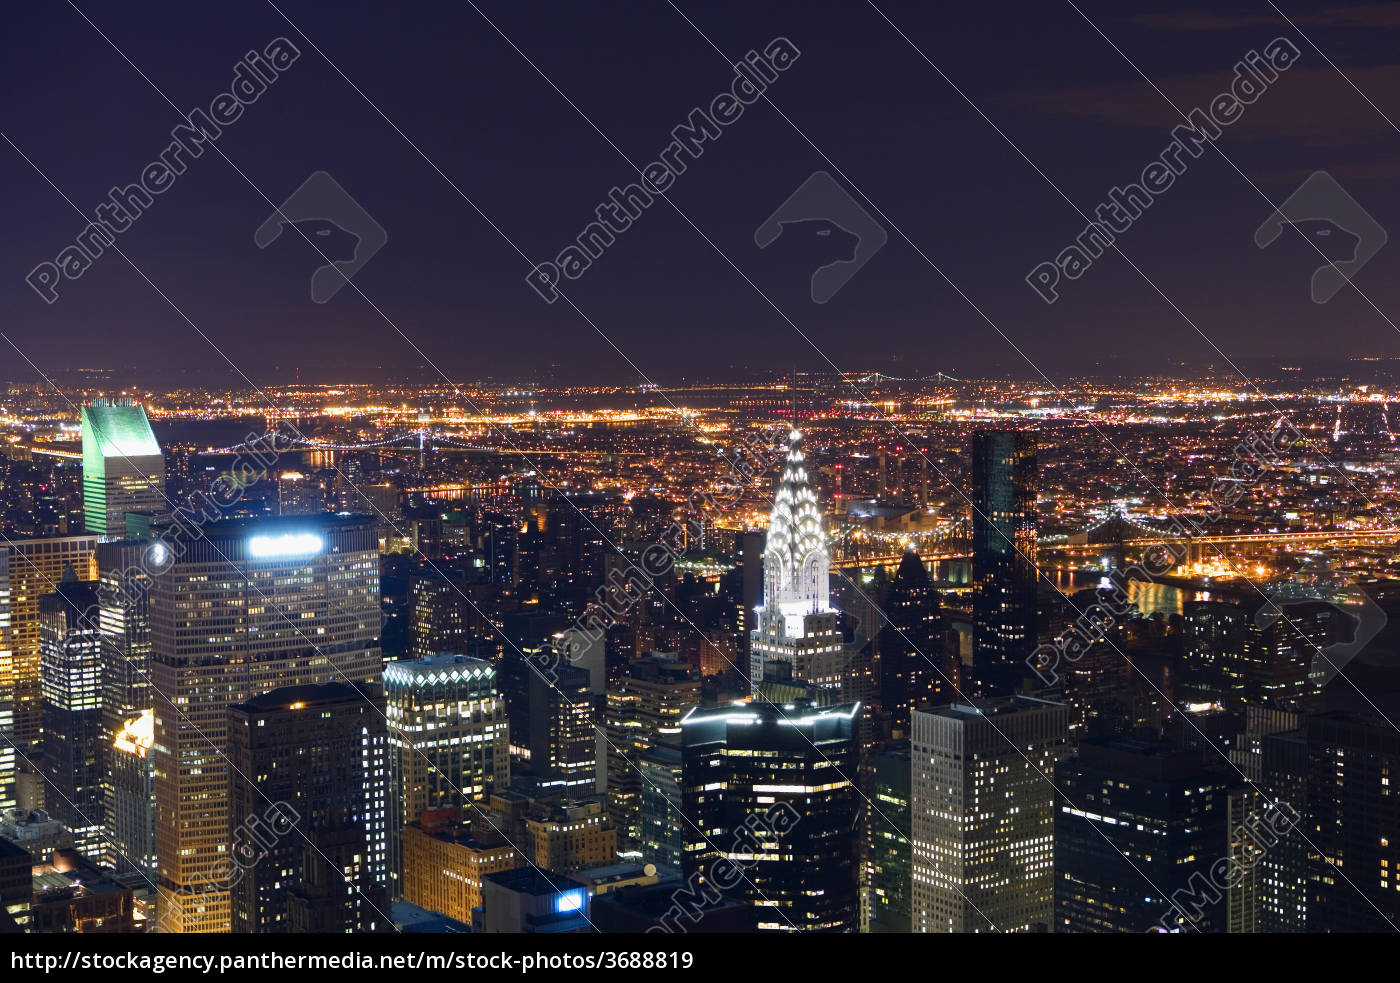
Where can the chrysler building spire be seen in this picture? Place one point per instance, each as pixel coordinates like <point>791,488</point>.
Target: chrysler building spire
<point>795,562</point>
<point>796,623</point>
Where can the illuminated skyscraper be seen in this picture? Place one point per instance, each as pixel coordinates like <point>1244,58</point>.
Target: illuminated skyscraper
<point>445,613</point>
<point>663,824</point>
<point>796,623</point>
<point>983,814</point>
<point>317,754</point>
<point>35,568</point>
<point>1134,820</point>
<point>128,722</point>
<point>448,731</point>
<point>123,467</point>
<point>8,757</point>
<point>642,714</point>
<point>1003,554</point>
<point>770,795</point>
<point>251,606</point>
<point>70,645</point>
<point>559,736</point>
<point>1234,656</point>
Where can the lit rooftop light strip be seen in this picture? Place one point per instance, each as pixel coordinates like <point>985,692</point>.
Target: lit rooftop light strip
<point>287,544</point>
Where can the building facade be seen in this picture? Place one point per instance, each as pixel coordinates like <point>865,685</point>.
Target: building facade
<point>316,755</point>
<point>1135,823</point>
<point>1004,523</point>
<point>70,645</point>
<point>35,568</point>
<point>444,864</point>
<point>128,716</point>
<point>983,814</point>
<point>249,607</point>
<point>448,730</point>
<point>891,871</point>
<point>123,467</point>
<point>643,714</point>
<point>773,808</point>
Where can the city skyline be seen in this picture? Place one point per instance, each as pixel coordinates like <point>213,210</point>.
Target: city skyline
<point>565,470</point>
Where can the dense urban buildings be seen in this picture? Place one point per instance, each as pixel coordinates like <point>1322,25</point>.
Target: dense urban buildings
<point>721,658</point>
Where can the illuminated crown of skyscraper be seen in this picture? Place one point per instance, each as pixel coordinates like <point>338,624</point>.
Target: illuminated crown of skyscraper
<point>795,563</point>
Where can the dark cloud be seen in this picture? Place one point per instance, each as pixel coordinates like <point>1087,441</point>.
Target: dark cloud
<point>1382,15</point>
<point>1202,20</point>
<point>1313,105</point>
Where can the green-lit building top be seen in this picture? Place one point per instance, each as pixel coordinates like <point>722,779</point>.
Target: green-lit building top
<point>123,467</point>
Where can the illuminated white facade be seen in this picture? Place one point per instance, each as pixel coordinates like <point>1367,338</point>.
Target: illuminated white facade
<point>982,814</point>
<point>796,622</point>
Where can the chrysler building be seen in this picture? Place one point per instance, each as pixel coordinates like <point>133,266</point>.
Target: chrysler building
<point>796,622</point>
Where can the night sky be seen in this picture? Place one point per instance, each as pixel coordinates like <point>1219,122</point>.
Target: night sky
<point>898,137</point>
